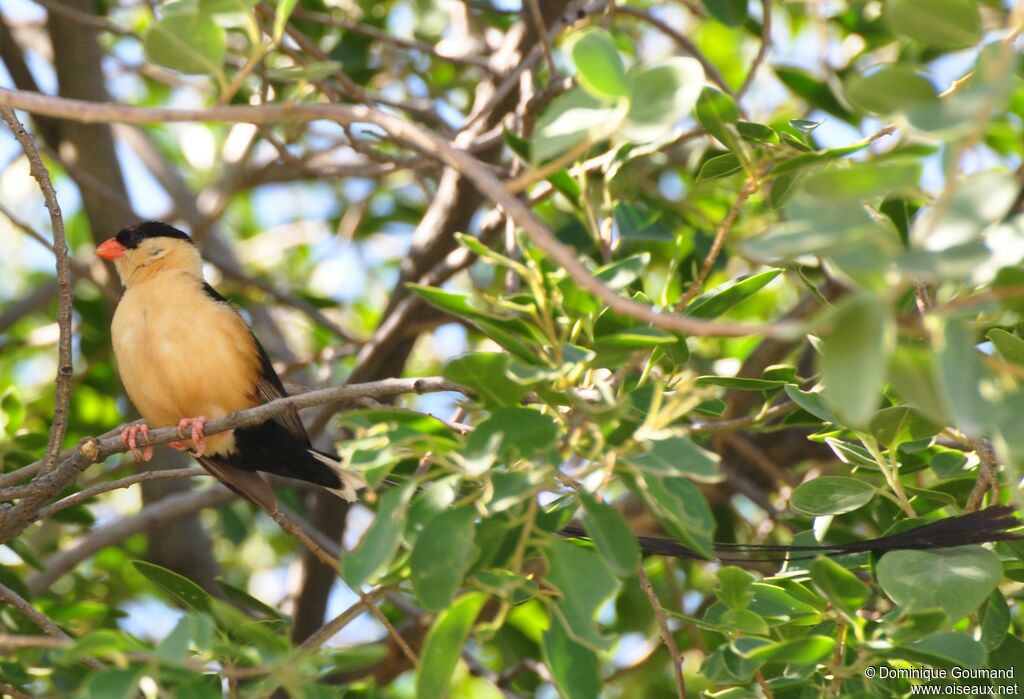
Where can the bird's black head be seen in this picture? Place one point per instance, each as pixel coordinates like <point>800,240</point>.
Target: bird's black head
<point>131,236</point>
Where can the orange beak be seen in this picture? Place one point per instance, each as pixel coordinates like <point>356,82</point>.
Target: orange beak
<point>110,249</point>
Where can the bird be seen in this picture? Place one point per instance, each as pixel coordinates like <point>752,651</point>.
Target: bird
<point>185,355</point>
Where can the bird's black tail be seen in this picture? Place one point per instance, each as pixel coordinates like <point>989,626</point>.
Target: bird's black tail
<point>990,524</point>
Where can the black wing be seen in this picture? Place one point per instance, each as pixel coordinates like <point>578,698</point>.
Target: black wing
<point>269,386</point>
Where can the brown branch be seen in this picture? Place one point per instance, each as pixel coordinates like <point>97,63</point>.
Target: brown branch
<point>14,519</point>
<point>335,625</point>
<point>128,481</point>
<point>545,40</point>
<point>419,138</point>
<point>987,477</point>
<point>666,633</point>
<point>65,293</point>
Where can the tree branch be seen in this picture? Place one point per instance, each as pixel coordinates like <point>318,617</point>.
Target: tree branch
<point>65,293</point>
<point>424,140</point>
<point>14,519</point>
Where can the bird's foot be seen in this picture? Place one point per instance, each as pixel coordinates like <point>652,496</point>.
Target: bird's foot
<point>130,435</point>
<point>198,424</point>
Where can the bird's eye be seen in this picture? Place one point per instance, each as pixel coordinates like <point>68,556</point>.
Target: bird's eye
<point>156,252</point>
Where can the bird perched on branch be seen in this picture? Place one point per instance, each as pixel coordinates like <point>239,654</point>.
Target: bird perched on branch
<point>185,356</point>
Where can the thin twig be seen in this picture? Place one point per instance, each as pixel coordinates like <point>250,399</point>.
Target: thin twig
<point>666,633</point>
<point>716,246</point>
<point>65,293</point>
<point>45,623</point>
<point>331,562</point>
<point>335,625</point>
<point>128,481</point>
<point>545,40</point>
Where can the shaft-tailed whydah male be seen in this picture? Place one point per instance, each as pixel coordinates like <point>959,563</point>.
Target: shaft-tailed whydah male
<point>186,356</point>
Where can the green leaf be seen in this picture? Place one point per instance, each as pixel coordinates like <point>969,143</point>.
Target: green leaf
<point>719,166</point>
<point>721,299</point>
<point>995,621</point>
<point>855,348</point>
<point>811,402</point>
<point>611,535</point>
<point>444,643</point>
<point>912,373</point>
<point>191,629</point>
<point>621,274</point>
<point>831,495</point>
<point>977,202</point>
<point>187,43</point>
<point>309,72</point>
<point>890,89</point>
<point>177,586</point>
<point>944,649</point>
<point>574,667</point>
<point>730,12</point>
<point>842,588</point>
<point>681,508</point>
<point>678,456</point>
<point>898,424</point>
<point>442,555</point>
<point>943,24</point>
<point>520,433</point>
<point>484,372</point>
<point>585,583</point>
<point>599,67</point>
<point>758,133</point>
<point>809,649</point>
<point>114,684</point>
<point>660,96</point>
<point>962,380</point>
<point>281,14</point>
<point>380,541</point>
<point>240,596</point>
<point>777,605</point>
<point>1009,346</point>
<point>734,587</point>
<point>955,580</point>
<point>718,114</point>
<point>817,93</point>
<point>12,411</point>
<point>570,120</point>
<point>862,180</point>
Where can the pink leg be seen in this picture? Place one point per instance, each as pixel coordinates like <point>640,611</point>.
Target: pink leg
<point>198,424</point>
<point>129,435</point>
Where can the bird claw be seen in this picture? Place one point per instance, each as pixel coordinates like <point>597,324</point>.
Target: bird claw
<point>198,424</point>
<point>130,435</point>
